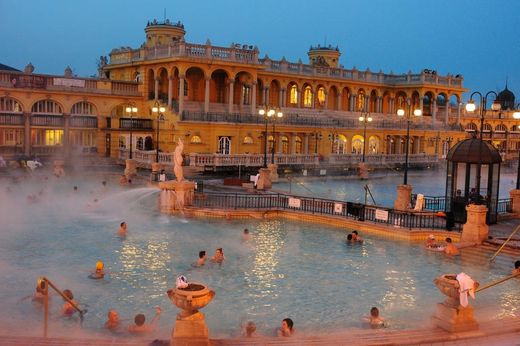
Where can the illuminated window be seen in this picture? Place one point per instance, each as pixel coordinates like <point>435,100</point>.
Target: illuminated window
<point>246,92</point>
<point>11,137</point>
<point>53,137</point>
<point>361,100</point>
<point>321,96</point>
<point>307,97</point>
<point>293,95</point>
<point>196,139</point>
<point>285,145</point>
<point>46,107</point>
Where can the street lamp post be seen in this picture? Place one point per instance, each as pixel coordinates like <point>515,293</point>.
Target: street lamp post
<point>470,107</point>
<point>159,110</point>
<point>516,115</point>
<point>401,112</point>
<point>279,115</point>
<point>365,118</point>
<point>131,110</point>
<point>267,112</point>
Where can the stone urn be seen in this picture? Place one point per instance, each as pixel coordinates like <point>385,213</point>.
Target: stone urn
<point>59,168</point>
<point>450,315</point>
<point>190,325</point>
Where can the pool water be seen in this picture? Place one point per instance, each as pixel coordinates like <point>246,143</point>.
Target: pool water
<point>288,269</point>
<point>431,182</point>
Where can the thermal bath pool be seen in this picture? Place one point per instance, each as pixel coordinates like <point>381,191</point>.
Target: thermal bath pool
<point>289,269</point>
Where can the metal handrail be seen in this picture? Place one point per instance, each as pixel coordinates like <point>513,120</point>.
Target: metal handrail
<point>504,244</point>
<point>494,283</point>
<point>43,284</point>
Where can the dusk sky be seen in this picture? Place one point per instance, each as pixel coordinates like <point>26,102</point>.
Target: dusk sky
<point>476,38</point>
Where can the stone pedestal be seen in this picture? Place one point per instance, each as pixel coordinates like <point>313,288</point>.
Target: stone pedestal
<point>515,198</point>
<point>59,168</point>
<point>264,181</point>
<point>363,171</point>
<point>403,198</point>
<point>475,230</point>
<point>131,168</point>
<point>273,167</point>
<point>450,315</point>
<point>175,195</point>
<point>190,325</point>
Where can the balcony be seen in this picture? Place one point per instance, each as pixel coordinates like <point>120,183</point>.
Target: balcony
<point>84,121</point>
<point>11,119</point>
<point>135,124</point>
<point>20,80</point>
<point>47,120</point>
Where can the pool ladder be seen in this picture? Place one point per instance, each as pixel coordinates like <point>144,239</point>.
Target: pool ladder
<point>43,288</point>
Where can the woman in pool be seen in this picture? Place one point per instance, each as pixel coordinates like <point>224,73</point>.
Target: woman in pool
<point>219,256</point>
<point>374,319</point>
<point>99,272</point>
<point>68,308</point>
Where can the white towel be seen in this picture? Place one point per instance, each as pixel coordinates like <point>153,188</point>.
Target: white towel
<point>467,285</point>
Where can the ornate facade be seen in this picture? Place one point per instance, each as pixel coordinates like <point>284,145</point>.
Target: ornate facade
<point>212,96</point>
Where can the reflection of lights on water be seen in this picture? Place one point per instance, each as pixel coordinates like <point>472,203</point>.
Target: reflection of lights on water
<point>509,304</point>
<point>145,263</point>
<point>268,241</point>
<point>401,291</point>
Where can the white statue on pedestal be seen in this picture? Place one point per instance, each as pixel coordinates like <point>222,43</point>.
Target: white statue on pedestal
<point>177,157</point>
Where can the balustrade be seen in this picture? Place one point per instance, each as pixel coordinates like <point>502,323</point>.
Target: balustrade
<point>11,119</point>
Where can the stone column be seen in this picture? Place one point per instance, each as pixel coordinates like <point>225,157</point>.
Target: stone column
<point>280,97</point>
<point>352,103</point>
<point>458,112</point>
<point>170,91</point>
<point>27,134</point>
<point>434,112</point>
<point>156,89</point>
<point>298,98</point>
<point>515,198</point>
<point>267,98</point>
<point>284,93</point>
<point>264,181</point>
<point>475,230</point>
<point>338,102</point>
<point>206,95</point>
<point>403,198</point>
<point>447,115</point>
<point>230,98</point>
<point>366,106</point>
<point>181,94</point>
<point>241,100</point>
<point>306,144</point>
<point>66,135</point>
<point>253,98</point>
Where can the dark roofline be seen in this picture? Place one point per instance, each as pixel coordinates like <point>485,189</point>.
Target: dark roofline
<point>8,68</point>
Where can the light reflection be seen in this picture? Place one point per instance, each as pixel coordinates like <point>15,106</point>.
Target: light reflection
<point>263,276</point>
<point>402,290</point>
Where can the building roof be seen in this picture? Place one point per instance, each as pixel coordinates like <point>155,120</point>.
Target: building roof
<point>474,150</point>
<point>8,68</point>
<point>506,98</point>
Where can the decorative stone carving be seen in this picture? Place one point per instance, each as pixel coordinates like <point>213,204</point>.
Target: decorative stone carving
<point>403,198</point>
<point>177,157</point>
<point>475,230</point>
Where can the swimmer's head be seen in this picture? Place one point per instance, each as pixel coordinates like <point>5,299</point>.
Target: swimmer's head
<point>68,294</point>
<point>113,315</point>
<point>75,188</point>
<point>517,264</point>
<point>250,328</point>
<point>139,319</point>
<point>349,237</point>
<point>374,312</point>
<point>100,265</point>
<point>123,224</point>
<point>104,183</point>
<point>246,231</point>
<point>202,254</point>
<point>355,232</point>
<point>448,240</point>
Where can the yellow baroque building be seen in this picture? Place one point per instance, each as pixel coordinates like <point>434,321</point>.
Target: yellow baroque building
<point>212,96</point>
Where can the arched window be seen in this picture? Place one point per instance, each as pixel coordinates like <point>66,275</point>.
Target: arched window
<point>501,128</point>
<point>361,101</point>
<point>373,145</point>
<point>298,145</point>
<point>285,145</point>
<point>471,127</point>
<point>248,140</point>
<point>246,92</point>
<point>195,139</point>
<point>46,107</point>
<point>140,143</point>
<point>293,99</point>
<point>487,127</point>
<point>341,144</point>
<point>9,105</point>
<point>224,145</point>
<point>321,96</point>
<point>307,97</point>
<point>83,108</point>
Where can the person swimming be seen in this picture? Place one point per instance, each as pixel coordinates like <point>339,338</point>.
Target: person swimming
<point>123,229</point>
<point>99,272</point>
<point>374,319</point>
<point>68,308</point>
<point>113,322</point>
<point>140,326</point>
<point>202,259</point>
<point>219,256</point>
